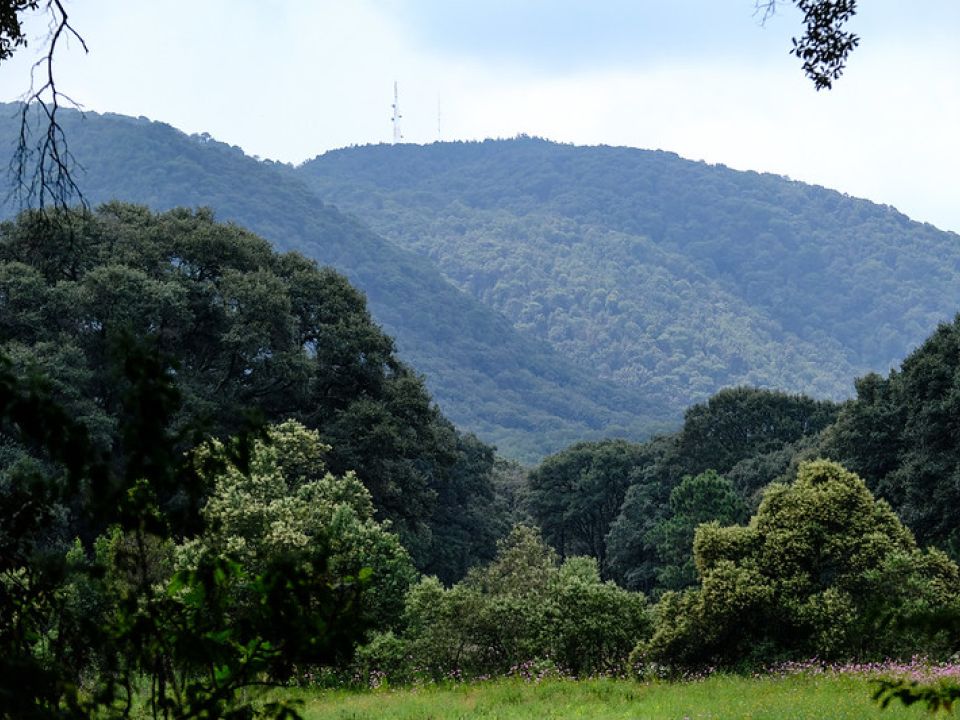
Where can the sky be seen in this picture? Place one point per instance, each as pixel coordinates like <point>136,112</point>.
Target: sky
<point>291,79</point>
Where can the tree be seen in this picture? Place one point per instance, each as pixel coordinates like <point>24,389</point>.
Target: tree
<point>737,423</point>
<point>577,493</point>
<point>903,436</point>
<point>286,501</point>
<point>698,499</point>
<point>467,521</point>
<point>523,612</point>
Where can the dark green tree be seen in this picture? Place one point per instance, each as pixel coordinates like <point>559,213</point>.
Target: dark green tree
<point>902,434</point>
<point>247,329</point>
<point>742,422</point>
<point>577,493</point>
<point>467,521</point>
<point>698,499</point>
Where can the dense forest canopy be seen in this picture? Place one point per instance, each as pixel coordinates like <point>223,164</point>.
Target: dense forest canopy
<point>674,277</point>
<point>634,507</point>
<point>902,436</point>
<point>245,330</point>
<point>510,389</point>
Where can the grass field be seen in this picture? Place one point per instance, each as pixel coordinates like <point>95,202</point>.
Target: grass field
<point>799,696</point>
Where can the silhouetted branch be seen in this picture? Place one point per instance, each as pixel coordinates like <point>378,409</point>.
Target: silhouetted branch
<point>43,169</point>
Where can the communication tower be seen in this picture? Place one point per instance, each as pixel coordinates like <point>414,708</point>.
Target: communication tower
<point>397,135</point>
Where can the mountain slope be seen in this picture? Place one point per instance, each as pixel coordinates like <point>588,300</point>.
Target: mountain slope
<point>671,276</point>
<point>512,390</point>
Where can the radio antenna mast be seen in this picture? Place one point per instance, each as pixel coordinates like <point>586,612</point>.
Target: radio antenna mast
<point>397,135</point>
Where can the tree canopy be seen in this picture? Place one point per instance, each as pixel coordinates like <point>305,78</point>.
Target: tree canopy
<point>245,330</point>
<point>575,494</point>
<point>752,435</point>
<point>902,435</point>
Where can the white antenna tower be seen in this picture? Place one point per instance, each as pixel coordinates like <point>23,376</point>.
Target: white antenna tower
<point>439,134</point>
<point>397,135</point>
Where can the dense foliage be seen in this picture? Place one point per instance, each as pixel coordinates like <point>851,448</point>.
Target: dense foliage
<point>747,434</point>
<point>575,494</point>
<point>507,387</point>
<point>106,627</point>
<point>902,435</point>
<point>697,500</point>
<point>675,277</point>
<point>822,570</point>
<point>247,330</point>
<point>283,501</point>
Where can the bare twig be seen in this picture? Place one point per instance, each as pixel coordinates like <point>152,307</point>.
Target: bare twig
<point>43,170</point>
<point>765,9</point>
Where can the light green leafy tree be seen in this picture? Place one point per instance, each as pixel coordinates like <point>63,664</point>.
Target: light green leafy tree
<point>286,501</point>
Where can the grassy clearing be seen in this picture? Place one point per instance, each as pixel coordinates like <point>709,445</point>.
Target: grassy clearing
<point>799,696</point>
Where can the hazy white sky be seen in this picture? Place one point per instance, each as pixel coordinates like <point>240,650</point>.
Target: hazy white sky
<point>289,79</point>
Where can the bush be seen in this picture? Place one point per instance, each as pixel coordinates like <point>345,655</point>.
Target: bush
<point>823,569</point>
<point>524,607</point>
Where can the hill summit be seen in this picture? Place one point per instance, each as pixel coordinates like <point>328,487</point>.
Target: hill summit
<point>673,277</point>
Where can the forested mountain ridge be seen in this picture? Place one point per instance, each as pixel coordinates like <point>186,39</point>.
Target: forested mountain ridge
<point>509,388</point>
<point>671,276</point>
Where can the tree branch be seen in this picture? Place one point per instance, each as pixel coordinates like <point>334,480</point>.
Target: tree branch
<point>43,170</point>
<point>825,45</point>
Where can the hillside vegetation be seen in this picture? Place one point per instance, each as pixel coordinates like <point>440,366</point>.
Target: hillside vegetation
<point>674,277</point>
<point>508,387</point>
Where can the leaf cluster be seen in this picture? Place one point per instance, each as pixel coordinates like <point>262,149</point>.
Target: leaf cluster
<point>825,45</point>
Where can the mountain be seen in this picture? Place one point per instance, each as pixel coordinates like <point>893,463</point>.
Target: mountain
<point>673,277</point>
<point>508,387</point>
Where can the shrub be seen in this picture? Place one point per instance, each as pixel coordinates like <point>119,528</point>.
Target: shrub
<point>524,607</point>
<point>823,569</point>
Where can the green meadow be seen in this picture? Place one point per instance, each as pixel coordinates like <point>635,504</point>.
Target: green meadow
<point>718,697</point>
